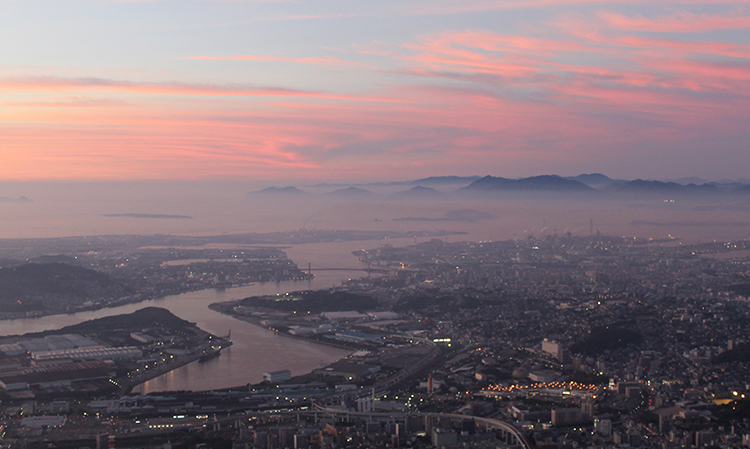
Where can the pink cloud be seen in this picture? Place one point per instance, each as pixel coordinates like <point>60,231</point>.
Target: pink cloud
<point>452,7</point>
<point>527,63</point>
<point>683,22</point>
<point>449,99</point>
<point>49,84</point>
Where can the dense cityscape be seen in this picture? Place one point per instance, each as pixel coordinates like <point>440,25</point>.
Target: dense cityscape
<point>335,224</point>
<point>554,341</point>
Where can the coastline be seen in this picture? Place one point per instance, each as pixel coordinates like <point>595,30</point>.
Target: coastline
<point>257,324</point>
<point>216,307</point>
<point>185,360</point>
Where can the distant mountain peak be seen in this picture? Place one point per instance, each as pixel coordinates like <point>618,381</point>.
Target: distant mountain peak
<point>551,183</point>
<point>351,192</point>
<point>289,190</point>
<point>640,186</point>
<point>595,180</point>
<point>421,189</point>
<point>445,180</point>
<point>20,199</point>
<point>643,186</point>
<point>418,192</point>
<point>689,180</point>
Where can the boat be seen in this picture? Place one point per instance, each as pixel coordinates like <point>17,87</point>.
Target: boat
<point>208,356</point>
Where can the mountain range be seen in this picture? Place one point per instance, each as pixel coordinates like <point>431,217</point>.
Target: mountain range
<point>585,184</point>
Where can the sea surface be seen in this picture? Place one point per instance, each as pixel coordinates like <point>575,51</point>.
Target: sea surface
<point>78,209</point>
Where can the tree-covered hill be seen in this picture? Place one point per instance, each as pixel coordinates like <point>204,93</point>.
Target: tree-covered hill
<point>54,287</point>
<point>313,301</point>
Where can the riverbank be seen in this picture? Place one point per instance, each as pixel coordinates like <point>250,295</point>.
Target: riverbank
<point>121,351</point>
<point>201,354</point>
<point>255,350</point>
<point>8,316</point>
<point>220,308</point>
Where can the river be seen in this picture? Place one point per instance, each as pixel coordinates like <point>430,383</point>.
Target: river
<point>256,350</point>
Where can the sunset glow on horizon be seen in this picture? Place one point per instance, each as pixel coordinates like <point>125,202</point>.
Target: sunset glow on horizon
<point>356,90</point>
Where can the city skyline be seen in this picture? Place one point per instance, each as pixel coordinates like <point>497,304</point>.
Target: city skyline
<point>355,91</point>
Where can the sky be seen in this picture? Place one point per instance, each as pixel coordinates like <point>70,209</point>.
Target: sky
<point>363,90</point>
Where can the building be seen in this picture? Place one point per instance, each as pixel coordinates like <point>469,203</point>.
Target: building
<point>542,376</point>
<point>603,427</point>
<point>347,370</point>
<point>56,342</point>
<point>554,349</point>
<point>37,422</point>
<point>567,417</point>
<point>58,375</point>
<point>277,376</point>
<point>343,315</point>
<point>358,337</point>
<point>622,387</point>
<point>551,347</point>
<point>365,404</point>
<point>443,437</point>
<point>380,316</point>
<point>89,353</point>
<point>12,350</point>
<point>142,338</point>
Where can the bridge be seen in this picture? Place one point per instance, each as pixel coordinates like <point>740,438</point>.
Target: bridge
<point>368,270</point>
<point>509,432</point>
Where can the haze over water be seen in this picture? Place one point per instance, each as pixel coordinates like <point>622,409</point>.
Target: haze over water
<point>64,210</point>
<point>79,209</point>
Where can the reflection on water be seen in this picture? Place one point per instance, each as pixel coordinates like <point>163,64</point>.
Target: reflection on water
<point>256,350</point>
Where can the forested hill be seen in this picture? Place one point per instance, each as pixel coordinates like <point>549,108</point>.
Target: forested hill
<point>54,287</point>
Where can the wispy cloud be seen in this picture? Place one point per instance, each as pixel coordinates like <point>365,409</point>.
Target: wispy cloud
<point>331,62</point>
<point>67,102</point>
<point>448,7</point>
<point>581,81</point>
<point>51,84</point>
<point>682,22</point>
